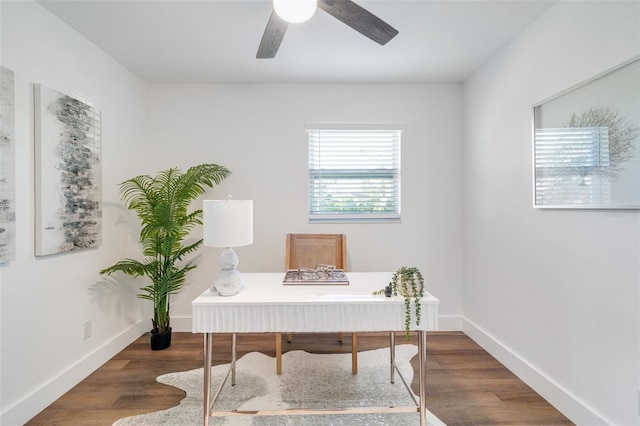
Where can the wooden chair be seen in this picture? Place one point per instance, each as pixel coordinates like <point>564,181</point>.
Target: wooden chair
<point>309,250</point>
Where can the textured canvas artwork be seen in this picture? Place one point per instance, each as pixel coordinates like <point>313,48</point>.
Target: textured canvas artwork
<point>7,167</point>
<point>68,173</point>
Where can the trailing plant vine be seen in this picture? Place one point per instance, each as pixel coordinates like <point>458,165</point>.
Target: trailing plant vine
<point>409,283</point>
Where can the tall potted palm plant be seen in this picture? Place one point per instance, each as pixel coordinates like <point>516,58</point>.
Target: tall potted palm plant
<point>162,203</point>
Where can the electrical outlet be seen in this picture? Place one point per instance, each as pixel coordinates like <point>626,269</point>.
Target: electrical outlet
<point>87,329</point>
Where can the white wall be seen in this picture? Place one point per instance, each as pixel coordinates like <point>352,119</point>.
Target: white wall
<point>554,294</point>
<point>258,132</point>
<point>45,301</point>
<point>255,130</point>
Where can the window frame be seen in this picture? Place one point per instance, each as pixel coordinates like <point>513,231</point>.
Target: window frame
<point>388,173</point>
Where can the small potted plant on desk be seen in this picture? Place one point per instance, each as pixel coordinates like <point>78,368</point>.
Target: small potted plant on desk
<point>161,203</point>
<point>409,283</point>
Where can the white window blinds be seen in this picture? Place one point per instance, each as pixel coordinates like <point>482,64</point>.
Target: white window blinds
<point>572,165</point>
<point>354,174</point>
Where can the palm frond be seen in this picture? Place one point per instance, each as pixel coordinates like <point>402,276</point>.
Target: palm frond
<point>127,266</point>
<point>192,184</point>
<point>138,194</point>
<point>186,250</point>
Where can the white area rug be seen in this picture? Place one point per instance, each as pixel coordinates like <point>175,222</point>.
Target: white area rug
<point>308,381</point>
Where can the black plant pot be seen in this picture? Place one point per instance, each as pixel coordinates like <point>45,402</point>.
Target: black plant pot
<point>160,341</point>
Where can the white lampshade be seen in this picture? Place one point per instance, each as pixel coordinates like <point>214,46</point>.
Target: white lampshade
<point>227,223</point>
<point>295,11</point>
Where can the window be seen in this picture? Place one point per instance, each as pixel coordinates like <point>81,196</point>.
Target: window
<point>572,165</point>
<point>354,172</point>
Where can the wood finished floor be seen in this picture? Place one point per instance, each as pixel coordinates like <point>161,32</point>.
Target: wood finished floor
<point>465,385</point>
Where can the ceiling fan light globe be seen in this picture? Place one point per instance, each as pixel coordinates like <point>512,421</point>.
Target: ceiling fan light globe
<point>295,11</point>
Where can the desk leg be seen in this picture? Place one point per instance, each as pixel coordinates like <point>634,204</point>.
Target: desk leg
<point>208,340</point>
<point>354,353</point>
<point>278,353</point>
<point>392,350</point>
<point>233,360</point>
<point>422,352</point>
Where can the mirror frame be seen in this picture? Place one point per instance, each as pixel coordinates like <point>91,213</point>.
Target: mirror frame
<point>600,169</point>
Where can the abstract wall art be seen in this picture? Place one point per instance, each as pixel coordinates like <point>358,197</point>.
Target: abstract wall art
<point>68,173</point>
<point>7,167</point>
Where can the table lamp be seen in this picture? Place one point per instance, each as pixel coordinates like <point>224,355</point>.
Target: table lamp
<point>227,223</point>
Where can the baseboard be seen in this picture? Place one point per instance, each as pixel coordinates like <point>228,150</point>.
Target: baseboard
<point>450,323</point>
<point>40,398</point>
<point>181,323</point>
<point>565,402</point>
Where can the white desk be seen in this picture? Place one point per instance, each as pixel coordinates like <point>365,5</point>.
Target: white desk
<point>266,305</point>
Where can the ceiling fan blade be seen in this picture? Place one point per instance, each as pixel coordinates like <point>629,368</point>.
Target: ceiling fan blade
<point>272,37</point>
<point>360,19</point>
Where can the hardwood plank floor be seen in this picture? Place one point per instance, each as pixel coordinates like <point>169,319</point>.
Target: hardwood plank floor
<point>465,385</point>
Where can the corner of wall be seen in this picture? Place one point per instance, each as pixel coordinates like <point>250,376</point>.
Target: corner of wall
<point>567,403</point>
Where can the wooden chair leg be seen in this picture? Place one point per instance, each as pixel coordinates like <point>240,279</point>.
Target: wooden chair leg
<point>340,337</point>
<point>278,353</point>
<point>354,353</point>
<point>288,337</point>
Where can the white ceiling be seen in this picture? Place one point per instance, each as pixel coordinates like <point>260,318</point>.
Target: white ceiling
<point>215,41</point>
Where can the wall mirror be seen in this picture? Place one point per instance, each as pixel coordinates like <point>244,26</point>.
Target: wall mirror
<point>586,143</point>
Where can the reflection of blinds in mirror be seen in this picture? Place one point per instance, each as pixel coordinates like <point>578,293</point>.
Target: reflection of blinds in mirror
<point>571,165</point>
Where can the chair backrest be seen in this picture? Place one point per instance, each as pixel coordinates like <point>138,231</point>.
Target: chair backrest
<point>309,250</point>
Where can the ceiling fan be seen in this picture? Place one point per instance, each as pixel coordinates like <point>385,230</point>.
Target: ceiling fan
<point>346,11</point>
